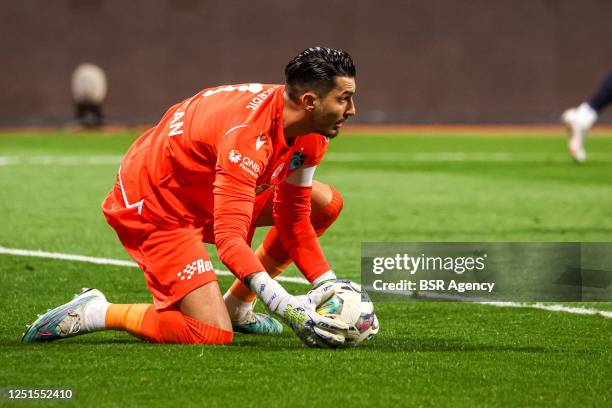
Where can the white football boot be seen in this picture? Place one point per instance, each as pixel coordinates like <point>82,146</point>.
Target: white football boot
<point>578,122</point>
<point>66,320</point>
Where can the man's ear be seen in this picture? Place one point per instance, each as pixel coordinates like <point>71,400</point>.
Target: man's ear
<point>308,100</point>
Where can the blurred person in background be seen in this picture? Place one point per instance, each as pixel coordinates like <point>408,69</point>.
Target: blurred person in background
<point>579,120</point>
<point>89,91</point>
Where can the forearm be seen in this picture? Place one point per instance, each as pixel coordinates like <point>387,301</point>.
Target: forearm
<point>268,290</point>
<point>238,256</point>
<point>292,220</point>
<point>233,209</point>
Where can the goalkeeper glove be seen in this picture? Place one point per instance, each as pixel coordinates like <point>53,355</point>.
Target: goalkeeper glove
<point>299,312</point>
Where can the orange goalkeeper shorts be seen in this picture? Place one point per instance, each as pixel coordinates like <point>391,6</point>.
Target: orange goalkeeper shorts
<point>175,262</point>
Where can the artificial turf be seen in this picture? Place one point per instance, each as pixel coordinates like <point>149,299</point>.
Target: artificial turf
<point>397,188</point>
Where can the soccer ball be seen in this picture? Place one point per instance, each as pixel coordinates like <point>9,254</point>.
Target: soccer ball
<point>353,306</point>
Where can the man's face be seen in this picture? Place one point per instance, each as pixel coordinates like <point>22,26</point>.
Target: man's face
<point>333,109</point>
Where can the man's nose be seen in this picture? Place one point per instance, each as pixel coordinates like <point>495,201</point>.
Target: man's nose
<point>352,110</point>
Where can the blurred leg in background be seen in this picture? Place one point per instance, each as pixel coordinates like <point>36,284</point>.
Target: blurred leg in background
<point>89,115</point>
<point>579,120</point>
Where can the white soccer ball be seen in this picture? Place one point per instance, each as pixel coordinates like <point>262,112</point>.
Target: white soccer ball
<point>351,305</point>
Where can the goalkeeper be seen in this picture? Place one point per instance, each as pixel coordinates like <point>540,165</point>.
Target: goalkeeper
<point>218,165</point>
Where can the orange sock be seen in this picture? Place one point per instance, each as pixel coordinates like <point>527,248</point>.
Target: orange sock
<point>165,326</point>
<point>126,317</point>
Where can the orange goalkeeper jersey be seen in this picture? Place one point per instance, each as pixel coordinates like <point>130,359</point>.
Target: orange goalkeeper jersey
<point>208,159</point>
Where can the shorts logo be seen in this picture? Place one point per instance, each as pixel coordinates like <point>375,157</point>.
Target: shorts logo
<point>200,266</point>
<point>235,156</point>
<point>297,160</point>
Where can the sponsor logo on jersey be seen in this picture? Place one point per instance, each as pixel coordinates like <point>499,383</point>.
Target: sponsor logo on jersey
<point>246,163</point>
<point>258,100</point>
<point>297,160</point>
<point>250,166</point>
<point>235,156</point>
<point>199,266</point>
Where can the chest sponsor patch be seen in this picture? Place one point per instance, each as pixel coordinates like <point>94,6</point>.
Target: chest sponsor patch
<point>246,163</point>
<point>234,156</point>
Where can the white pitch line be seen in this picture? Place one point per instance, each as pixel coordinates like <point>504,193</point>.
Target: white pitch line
<point>522,305</point>
<point>66,257</point>
<point>119,262</point>
<point>93,160</point>
<point>553,308</point>
<point>484,157</point>
<point>415,157</point>
<point>110,261</point>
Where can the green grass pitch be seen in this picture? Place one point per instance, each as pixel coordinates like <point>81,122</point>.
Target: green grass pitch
<point>419,187</point>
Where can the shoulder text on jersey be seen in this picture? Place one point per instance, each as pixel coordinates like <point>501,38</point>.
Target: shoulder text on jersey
<point>256,101</point>
<point>176,125</point>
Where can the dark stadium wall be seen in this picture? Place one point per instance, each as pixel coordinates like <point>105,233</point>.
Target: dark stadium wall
<point>438,61</point>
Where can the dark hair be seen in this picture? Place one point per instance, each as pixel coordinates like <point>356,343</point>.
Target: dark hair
<point>315,69</point>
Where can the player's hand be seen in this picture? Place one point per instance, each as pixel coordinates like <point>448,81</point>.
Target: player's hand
<point>299,312</point>
<point>317,295</point>
<point>328,331</point>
